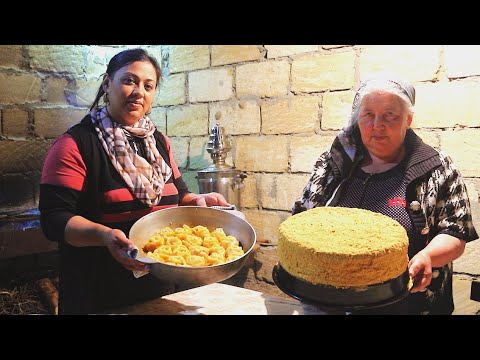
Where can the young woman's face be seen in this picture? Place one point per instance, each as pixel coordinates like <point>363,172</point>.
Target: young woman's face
<point>131,92</point>
<point>383,123</point>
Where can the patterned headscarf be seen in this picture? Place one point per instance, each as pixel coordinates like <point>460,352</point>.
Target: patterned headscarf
<point>380,81</point>
<point>377,82</point>
<point>145,179</point>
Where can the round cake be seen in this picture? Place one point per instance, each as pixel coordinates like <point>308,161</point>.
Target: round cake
<point>342,247</point>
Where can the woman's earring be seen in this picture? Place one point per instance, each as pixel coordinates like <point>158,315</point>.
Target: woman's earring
<point>105,99</point>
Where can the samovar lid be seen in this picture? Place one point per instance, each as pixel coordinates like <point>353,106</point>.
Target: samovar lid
<point>220,168</point>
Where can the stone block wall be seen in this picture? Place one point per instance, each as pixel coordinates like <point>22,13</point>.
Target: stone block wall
<point>282,105</point>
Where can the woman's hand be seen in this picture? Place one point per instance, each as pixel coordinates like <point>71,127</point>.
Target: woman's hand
<point>420,269</point>
<point>118,244</point>
<point>210,199</point>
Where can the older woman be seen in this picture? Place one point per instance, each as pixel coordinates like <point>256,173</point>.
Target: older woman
<point>378,163</point>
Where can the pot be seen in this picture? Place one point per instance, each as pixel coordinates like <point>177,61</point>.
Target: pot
<point>224,180</point>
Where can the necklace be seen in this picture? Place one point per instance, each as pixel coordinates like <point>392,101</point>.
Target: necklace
<point>131,141</point>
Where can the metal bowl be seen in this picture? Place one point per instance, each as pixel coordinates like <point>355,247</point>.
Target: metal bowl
<point>233,225</point>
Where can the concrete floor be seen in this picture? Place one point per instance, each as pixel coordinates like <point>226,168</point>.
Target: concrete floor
<point>465,269</point>
<point>461,297</point>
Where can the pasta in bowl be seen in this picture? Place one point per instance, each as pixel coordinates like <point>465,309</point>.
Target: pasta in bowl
<point>208,263</point>
<point>192,246</point>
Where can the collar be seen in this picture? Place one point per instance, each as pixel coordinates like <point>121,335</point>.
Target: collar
<point>346,154</point>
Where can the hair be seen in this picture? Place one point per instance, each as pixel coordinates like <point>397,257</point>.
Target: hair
<point>122,59</point>
<point>385,86</point>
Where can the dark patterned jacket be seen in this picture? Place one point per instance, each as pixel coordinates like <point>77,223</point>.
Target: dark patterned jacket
<point>436,199</point>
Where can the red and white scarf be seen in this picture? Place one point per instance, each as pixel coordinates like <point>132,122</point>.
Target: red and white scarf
<point>145,179</point>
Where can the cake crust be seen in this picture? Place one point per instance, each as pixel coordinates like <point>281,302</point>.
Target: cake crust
<point>343,247</point>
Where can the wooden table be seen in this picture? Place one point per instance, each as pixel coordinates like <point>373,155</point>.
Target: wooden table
<point>220,299</point>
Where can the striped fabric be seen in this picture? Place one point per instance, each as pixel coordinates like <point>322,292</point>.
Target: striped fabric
<point>146,181</point>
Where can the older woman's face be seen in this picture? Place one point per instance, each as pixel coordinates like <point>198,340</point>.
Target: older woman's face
<point>131,92</point>
<point>383,123</point>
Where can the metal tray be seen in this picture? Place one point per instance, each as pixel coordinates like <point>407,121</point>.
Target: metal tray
<point>342,299</point>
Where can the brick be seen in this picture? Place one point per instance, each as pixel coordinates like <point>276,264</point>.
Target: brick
<point>16,244</point>
<point>96,64</point>
<point>249,197</point>
<point>11,56</point>
<point>98,57</point>
<point>473,190</point>
<point>190,178</point>
<point>52,122</point>
<point>280,192</point>
<point>83,92</point>
<point>316,72</point>
<point>34,178</point>
<point>266,223</point>
<point>262,153</point>
<point>429,137</point>
<point>236,117</point>
<point>337,107</point>
<point>18,190</point>
<point>410,62</point>
<point>171,90</point>
<point>443,105</point>
<point>290,115</point>
<point>22,156</point>
<point>58,58</point>
<point>19,89</point>
<point>156,52</point>
<point>188,57</point>
<point>159,119</point>
<point>462,60</point>
<point>180,150</point>
<point>305,150</point>
<point>188,120</point>
<point>15,124</point>
<point>462,146</point>
<point>110,52</point>
<point>210,85</point>
<point>263,79</point>
<point>231,54</point>
<point>274,51</point>
<point>56,88</point>
<point>199,157</point>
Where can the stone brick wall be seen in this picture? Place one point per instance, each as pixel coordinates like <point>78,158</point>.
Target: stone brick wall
<point>43,91</point>
<point>281,105</point>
